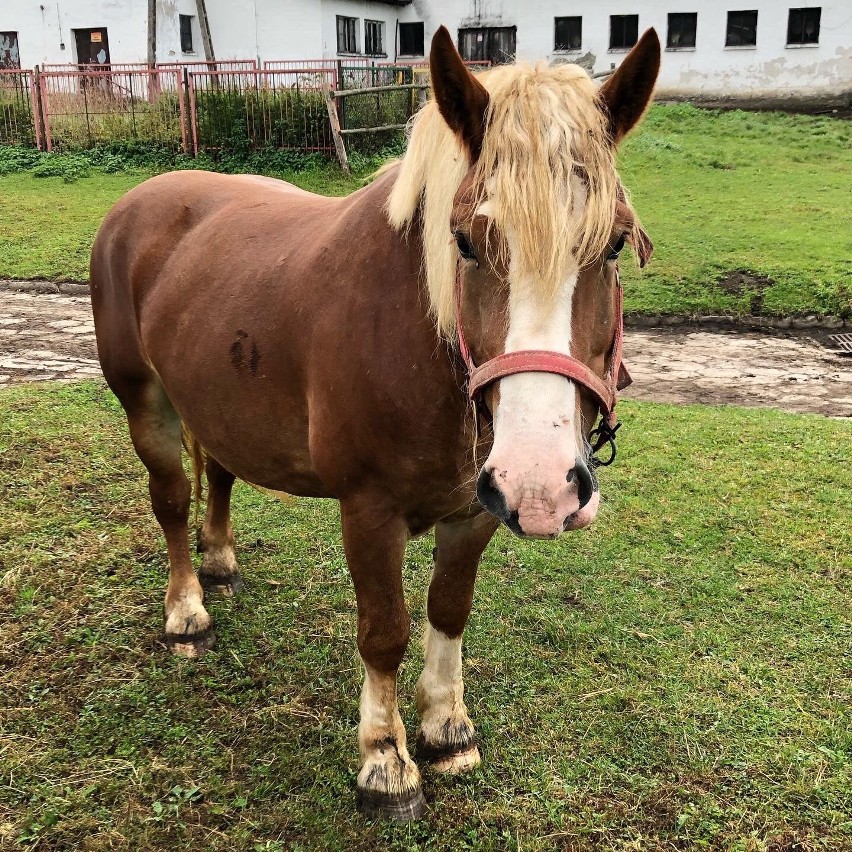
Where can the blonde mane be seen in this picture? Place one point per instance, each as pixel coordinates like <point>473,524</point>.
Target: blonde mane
<point>543,127</point>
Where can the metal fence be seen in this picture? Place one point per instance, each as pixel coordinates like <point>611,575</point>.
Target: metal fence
<point>207,106</point>
<point>254,109</point>
<point>17,119</point>
<point>86,108</point>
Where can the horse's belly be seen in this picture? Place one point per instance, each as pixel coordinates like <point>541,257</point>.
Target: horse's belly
<point>255,429</point>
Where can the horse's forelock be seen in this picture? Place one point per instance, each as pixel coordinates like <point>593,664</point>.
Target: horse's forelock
<point>542,124</point>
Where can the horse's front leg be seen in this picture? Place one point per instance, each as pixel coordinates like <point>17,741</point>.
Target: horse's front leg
<point>446,737</point>
<point>389,781</point>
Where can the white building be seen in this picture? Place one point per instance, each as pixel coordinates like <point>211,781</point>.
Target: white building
<point>760,50</point>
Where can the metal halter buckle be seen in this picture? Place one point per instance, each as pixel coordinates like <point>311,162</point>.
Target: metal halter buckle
<point>599,437</point>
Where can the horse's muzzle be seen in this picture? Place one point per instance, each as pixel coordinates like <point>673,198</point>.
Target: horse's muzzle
<point>530,513</point>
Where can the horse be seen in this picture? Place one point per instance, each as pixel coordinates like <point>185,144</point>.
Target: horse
<point>432,351</point>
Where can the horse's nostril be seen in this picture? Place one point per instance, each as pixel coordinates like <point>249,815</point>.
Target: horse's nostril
<point>490,496</point>
<point>585,481</point>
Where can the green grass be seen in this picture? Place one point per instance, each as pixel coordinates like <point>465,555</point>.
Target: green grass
<point>676,677</point>
<point>47,225</point>
<point>719,192</point>
<point>763,192</point>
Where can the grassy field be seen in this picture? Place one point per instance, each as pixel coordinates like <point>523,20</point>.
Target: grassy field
<point>762,196</point>
<point>676,677</point>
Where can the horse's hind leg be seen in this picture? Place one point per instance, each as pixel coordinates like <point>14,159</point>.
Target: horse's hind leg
<point>155,429</point>
<point>219,569</point>
<point>446,737</point>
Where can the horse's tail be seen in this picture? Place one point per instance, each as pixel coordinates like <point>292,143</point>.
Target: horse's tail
<point>198,458</point>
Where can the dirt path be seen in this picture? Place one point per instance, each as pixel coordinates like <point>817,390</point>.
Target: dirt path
<point>51,337</point>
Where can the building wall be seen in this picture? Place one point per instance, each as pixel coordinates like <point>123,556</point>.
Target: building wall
<point>710,71</point>
<point>265,29</point>
<point>45,31</point>
<point>363,11</point>
<point>307,29</point>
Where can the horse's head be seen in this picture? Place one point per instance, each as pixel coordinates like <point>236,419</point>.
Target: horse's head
<point>523,220</point>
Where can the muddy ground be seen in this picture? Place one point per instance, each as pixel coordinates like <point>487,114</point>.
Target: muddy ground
<point>51,337</point>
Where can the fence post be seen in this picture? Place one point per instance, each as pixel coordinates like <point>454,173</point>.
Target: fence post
<point>193,113</point>
<point>181,96</point>
<point>339,147</point>
<point>44,109</point>
<point>35,100</point>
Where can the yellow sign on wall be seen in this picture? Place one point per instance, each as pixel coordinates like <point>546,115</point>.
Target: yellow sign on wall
<point>96,37</point>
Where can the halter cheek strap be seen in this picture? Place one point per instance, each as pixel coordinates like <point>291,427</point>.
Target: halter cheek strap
<point>604,390</point>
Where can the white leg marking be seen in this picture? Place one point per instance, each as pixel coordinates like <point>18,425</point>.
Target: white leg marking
<point>386,765</point>
<point>444,723</point>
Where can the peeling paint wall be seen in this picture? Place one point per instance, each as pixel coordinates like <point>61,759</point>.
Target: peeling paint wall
<point>770,70</point>
<point>45,30</point>
<point>307,29</point>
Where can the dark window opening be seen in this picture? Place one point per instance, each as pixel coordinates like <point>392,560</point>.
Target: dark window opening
<point>682,27</point>
<point>742,29</point>
<point>347,41</point>
<point>411,39</point>
<point>92,46</point>
<point>623,31</point>
<point>568,33</point>
<point>186,33</point>
<point>803,26</point>
<point>488,44</point>
<point>10,57</point>
<point>373,37</point>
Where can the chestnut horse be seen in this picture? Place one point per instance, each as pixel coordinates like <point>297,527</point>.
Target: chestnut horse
<point>321,347</point>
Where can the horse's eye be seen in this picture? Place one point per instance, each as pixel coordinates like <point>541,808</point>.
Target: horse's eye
<point>614,250</point>
<point>465,249</point>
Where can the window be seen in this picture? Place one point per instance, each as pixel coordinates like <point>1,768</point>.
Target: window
<point>569,33</point>
<point>186,33</point>
<point>623,31</point>
<point>347,39</point>
<point>411,39</point>
<point>373,31</point>
<point>682,26</point>
<point>9,56</point>
<point>488,44</point>
<point>742,29</point>
<point>802,27</point>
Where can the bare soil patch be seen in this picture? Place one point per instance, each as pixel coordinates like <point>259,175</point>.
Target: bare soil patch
<point>740,281</point>
<point>51,337</point>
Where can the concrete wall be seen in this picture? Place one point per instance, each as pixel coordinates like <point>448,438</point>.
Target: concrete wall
<point>770,70</point>
<point>265,29</point>
<point>362,10</point>
<point>43,29</point>
<point>307,29</point>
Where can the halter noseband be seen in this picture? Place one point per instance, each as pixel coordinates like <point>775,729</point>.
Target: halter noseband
<point>604,390</point>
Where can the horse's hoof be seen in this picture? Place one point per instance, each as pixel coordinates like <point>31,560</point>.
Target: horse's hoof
<point>227,586</point>
<point>400,807</point>
<point>457,762</point>
<point>453,758</point>
<point>191,645</point>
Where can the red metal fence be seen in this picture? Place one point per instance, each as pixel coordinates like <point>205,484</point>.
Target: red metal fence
<point>200,106</point>
<point>281,109</point>
<point>86,108</point>
<point>17,119</point>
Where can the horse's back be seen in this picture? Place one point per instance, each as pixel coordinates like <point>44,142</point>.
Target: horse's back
<point>260,309</point>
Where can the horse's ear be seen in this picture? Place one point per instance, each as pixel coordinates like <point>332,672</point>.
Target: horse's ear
<point>461,98</point>
<point>627,93</point>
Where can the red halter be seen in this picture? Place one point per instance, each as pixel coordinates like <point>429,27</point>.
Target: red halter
<point>605,390</point>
